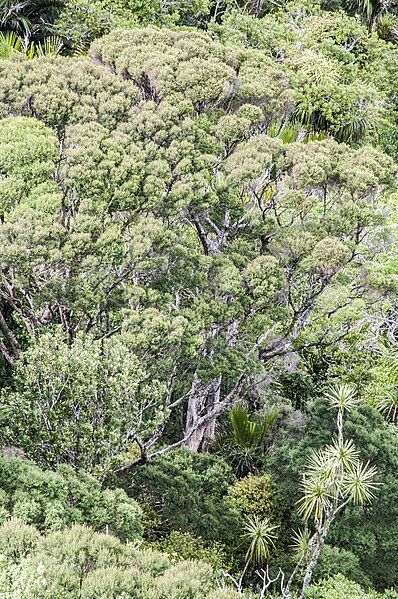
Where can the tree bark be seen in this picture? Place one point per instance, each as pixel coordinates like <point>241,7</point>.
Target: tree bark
<point>10,347</point>
<point>203,400</point>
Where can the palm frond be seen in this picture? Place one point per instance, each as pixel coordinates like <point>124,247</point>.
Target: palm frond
<point>388,405</point>
<point>344,454</point>
<point>10,43</point>
<point>300,542</point>
<point>316,497</point>
<point>50,46</point>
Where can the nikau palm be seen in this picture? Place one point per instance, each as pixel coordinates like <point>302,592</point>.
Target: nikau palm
<point>242,438</point>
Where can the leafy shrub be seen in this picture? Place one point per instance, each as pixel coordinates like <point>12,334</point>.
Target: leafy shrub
<point>334,560</point>
<point>183,545</point>
<point>55,500</point>
<point>82,564</point>
<point>17,539</point>
<point>255,496</point>
<point>340,587</point>
<point>187,492</point>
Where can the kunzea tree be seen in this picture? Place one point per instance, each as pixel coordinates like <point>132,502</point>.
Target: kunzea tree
<point>169,217</point>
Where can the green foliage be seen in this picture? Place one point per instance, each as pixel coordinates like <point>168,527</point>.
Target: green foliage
<point>183,545</point>
<point>334,560</point>
<point>12,45</point>
<point>28,151</point>
<point>169,224</point>
<point>260,535</point>
<point>382,391</point>
<point>339,587</point>
<point>82,21</point>
<point>195,213</point>
<point>31,19</point>
<point>255,496</point>
<point>242,440</point>
<point>188,493</point>
<point>79,563</point>
<point>368,533</point>
<point>74,404</point>
<point>56,500</point>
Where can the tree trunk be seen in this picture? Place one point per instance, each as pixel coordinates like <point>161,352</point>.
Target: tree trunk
<point>315,547</point>
<point>203,400</point>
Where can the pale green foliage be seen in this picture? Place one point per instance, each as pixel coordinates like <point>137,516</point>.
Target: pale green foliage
<point>171,220</point>
<point>334,478</point>
<point>77,404</point>
<point>255,496</point>
<point>61,91</point>
<point>188,66</point>
<point>383,388</point>
<point>183,545</point>
<point>17,540</point>
<point>28,152</point>
<point>79,563</point>
<point>335,475</point>
<point>299,543</point>
<point>339,587</point>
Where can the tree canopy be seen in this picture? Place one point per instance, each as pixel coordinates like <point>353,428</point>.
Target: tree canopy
<point>198,299</point>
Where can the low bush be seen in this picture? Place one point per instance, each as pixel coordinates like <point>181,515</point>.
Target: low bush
<point>55,500</point>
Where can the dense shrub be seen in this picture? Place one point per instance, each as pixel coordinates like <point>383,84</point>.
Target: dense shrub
<point>81,564</point>
<point>255,496</point>
<point>55,500</point>
<point>189,493</point>
<point>183,545</point>
<point>340,587</point>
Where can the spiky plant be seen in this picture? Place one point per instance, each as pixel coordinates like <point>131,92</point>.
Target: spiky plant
<point>242,438</point>
<point>387,28</point>
<point>11,44</point>
<point>388,405</point>
<point>370,10</point>
<point>260,534</point>
<point>334,478</point>
<point>29,19</point>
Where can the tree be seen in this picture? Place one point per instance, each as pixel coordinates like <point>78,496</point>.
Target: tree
<point>368,532</point>
<point>207,245</point>
<point>334,478</point>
